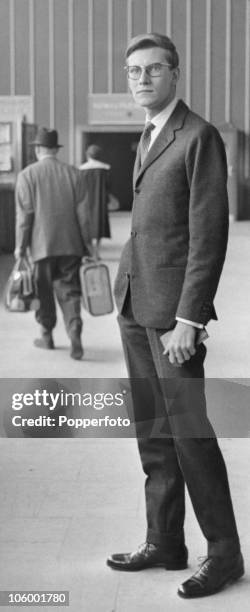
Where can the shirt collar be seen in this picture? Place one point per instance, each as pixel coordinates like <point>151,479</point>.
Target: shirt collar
<point>94,163</point>
<point>162,117</point>
<point>47,155</point>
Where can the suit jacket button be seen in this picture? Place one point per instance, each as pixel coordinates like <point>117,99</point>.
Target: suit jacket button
<point>137,190</point>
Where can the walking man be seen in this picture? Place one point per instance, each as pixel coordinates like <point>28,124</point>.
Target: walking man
<point>52,219</point>
<point>165,287</point>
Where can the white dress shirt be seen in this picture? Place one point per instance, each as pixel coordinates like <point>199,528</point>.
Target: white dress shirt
<point>160,120</point>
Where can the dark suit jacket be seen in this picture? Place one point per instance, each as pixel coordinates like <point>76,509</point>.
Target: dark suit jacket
<point>52,210</point>
<point>174,257</point>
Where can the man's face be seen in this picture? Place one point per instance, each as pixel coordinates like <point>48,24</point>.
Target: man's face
<point>153,93</point>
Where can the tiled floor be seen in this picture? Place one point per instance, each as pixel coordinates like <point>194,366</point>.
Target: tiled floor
<point>66,505</point>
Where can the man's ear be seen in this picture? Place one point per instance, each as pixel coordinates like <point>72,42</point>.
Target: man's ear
<point>176,74</point>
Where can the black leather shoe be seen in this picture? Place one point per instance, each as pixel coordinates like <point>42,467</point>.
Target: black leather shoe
<point>149,555</point>
<point>76,346</point>
<point>212,576</point>
<point>45,342</point>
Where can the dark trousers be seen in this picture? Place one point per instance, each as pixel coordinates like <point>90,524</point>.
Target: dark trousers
<point>60,275</point>
<point>176,441</point>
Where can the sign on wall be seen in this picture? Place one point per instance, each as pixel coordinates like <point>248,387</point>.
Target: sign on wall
<point>114,109</point>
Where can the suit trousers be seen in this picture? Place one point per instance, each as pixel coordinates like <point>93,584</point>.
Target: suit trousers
<point>59,274</point>
<point>176,442</point>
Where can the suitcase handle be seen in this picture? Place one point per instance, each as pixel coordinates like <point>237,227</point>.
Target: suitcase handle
<point>89,259</point>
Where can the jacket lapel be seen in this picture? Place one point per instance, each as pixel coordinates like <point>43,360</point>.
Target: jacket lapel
<point>163,140</point>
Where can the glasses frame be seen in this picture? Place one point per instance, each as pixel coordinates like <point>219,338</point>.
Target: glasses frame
<point>145,68</point>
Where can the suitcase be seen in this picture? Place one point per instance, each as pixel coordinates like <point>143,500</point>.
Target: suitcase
<point>96,288</point>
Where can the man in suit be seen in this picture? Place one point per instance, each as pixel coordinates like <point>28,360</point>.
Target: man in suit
<point>167,279</point>
<point>52,220</point>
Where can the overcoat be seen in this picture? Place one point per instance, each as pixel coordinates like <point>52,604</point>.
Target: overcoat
<point>52,209</point>
<point>98,185</point>
<point>175,254</point>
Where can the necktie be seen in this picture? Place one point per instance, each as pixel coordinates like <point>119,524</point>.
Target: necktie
<point>145,140</point>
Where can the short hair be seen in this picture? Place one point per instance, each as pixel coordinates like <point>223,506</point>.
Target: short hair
<point>94,151</point>
<point>145,41</point>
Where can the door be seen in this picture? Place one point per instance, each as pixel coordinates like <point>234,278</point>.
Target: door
<point>119,150</point>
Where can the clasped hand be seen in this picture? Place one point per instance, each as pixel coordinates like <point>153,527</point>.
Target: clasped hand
<point>181,344</point>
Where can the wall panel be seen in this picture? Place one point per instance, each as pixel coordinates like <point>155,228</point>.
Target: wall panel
<point>218,61</point>
<point>198,56</point>
<point>159,16</point>
<point>119,46</point>
<point>41,33</point>
<point>4,48</point>
<point>238,62</point>
<point>22,84</point>
<point>139,17</point>
<point>81,60</point>
<point>100,68</point>
<point>61,72</point>
<point>179,38</point>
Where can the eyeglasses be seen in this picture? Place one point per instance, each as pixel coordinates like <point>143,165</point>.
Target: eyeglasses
<point>153,70</point>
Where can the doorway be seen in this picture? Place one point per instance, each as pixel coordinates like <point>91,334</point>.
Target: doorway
<point>119,150</point>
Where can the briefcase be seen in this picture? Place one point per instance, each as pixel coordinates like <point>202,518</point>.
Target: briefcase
<point>96,288</point>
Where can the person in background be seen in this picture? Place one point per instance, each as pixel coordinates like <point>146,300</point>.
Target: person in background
<point>97,177</point>
<point>165,287</point>
<point>52,223</point>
